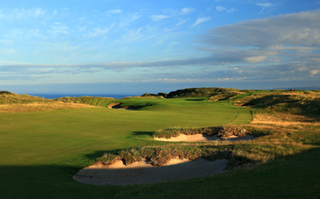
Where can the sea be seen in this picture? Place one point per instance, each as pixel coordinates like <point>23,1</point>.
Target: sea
<point>55,96</point>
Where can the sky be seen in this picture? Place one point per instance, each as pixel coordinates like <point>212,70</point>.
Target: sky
<point>127,46</point>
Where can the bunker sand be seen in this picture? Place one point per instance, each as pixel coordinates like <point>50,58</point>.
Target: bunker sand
<point>143,173</point>
<point>203,138</point>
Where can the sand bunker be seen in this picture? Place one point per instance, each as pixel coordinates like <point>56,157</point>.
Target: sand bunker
<point>117,105</point>
<point>142,172</point>
<point>203,138</point>
<point>114,104</point>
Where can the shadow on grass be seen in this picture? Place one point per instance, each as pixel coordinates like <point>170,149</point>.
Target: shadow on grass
<point>294,176</point>
<point>195,100</point>
<point>138,133</point>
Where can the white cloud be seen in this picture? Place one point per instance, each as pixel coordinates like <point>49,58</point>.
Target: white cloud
<point>59,30</point>
<point>116,11</point>
<point>97,32</point>
<point>314,72</point>
<point>265,4</point>
<point>133,35</point>
<point>82,28</point>
<point>182,22</point>
<point>6,42</point>
<point>185,11</point>
<point>256,59</point>
<point>3,62</point>
<point>221,8</point>
<point>7,51</point>
<point>201,20</point>
<point>130,19</point>
<point>158,17</point>
<point>22,14</point>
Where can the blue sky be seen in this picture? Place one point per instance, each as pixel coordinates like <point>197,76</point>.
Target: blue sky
<point>121,45</point>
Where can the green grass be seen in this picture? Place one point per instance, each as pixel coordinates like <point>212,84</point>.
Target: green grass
<point>41,151</point>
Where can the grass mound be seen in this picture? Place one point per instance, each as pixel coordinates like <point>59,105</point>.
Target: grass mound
<point>7,97</point>
<point>294,102</point>
<point>13,103</point>
<point>222,131</point>
<point>199,92</point>
<point>224,95</point>
<point>5,92</point>
<point>94,101</point>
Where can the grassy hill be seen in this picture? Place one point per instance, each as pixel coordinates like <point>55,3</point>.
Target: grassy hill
<point>198,92</point>
<point>294,102</point>
<point>7,97</point>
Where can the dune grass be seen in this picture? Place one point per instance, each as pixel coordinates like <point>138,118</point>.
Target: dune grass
<point>94,101</point>
<point>12,103</point>
<point>35,107</point>
<point>294,102</point>
<point>222,131</point>
<point>41,151</point>
<point>14,98</point>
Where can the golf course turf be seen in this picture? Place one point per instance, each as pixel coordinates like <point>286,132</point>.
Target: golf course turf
<point>41,151</point>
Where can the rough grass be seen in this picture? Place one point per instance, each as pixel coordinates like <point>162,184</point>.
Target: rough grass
<point>176,131</point>
<point>94,101</point>
<point>12,102</point>
<point>285,119</point>
<point>35,107</point>
<point>224,95</point>
<point>222,131</point>
<point>199,92</point>
<point>293,102</point>
<point>13,98</point>
<point>274,144</point>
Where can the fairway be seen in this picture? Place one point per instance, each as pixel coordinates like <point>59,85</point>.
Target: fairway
<point>38,148</point>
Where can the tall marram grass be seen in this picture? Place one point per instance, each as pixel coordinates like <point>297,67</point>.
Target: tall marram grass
<point>222,131</point>
<point>14,98</point>
<point>94,101</point>
<point>293,102</point>
<point>273,144</point>
<point>238,154</point>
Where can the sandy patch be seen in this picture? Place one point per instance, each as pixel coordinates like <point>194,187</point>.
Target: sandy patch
<point>203,138</point>
<point>116,105</point>
<point>213,100</point>
<point>143,173</point>
<point>113,104</point>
